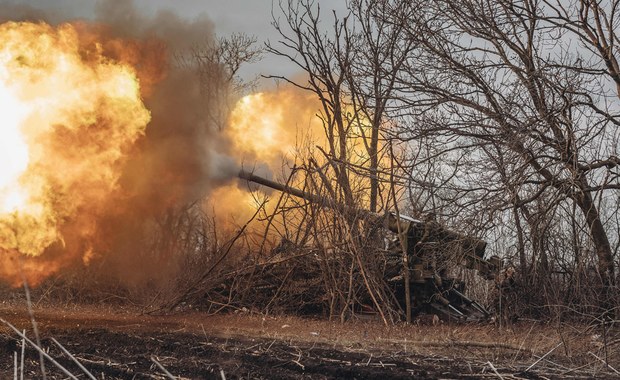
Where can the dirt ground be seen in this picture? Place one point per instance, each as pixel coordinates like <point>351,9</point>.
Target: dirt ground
<point>121,343</point>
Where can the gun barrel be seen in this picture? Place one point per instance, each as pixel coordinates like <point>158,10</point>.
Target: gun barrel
<point>316,199</point>
<point>284,188</point>
<point>313,198</point>
<point>403,224</point>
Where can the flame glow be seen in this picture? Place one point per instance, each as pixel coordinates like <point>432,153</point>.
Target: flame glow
<point>271,125</point>
<point>68,115</point>
<point>266,128</point>
<point>13,150</point>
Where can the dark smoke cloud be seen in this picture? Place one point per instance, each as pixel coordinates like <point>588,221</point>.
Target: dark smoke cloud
<point>171,166</point>
<point>22,12</point>
<point>179,34</point>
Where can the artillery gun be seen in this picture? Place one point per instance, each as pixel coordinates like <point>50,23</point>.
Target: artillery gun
<point>430,249</point>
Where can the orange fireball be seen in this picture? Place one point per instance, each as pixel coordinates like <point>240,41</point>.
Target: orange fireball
<point>67,119</point>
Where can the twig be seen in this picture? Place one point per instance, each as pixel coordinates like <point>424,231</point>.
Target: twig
<point>268,348</point>
<point>165,371</point>
<point>604,362</point>
<point>74,359</point>
<point>41,351</point>
<point>522,343</point>
<point>299,364</point>
<point>495,370</point>
<point>203,331</point>
<point>556,364</point>
<point>298,361</point>
<point>35,328</point>
<point>222,255</point>
<point>222,374</point>
<point>576,369</point>
<point>21,365</point>
<point>14,365</point>
<point>544,356</point>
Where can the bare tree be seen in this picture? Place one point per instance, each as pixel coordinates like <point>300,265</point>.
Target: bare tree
<point>378,55</point>
<point>352,73</point>
<point>506,119</point>
<point>324,58</point>
<point>217,63</point>
<point>501,77</point>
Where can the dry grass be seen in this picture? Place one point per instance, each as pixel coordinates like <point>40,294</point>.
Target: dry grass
<point>555,350</point>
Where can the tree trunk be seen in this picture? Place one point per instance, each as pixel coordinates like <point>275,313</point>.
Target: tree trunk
<point>601,244</point>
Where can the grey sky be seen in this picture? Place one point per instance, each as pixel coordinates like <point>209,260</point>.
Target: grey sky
<point>252,17</point>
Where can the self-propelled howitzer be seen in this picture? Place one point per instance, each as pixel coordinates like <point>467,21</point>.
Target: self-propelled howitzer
<point>431,250</point>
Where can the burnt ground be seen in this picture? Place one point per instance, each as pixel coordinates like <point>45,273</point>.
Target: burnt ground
<point>122,344</point>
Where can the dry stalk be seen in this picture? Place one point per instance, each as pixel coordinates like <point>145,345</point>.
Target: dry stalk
<point>39,349</point>
<point>494,370</point>
<point>21,365</point>
<point>35,327</point>
<point>74,359</point>
<point>604,362</point>
<point>161,367</point>
<point>544,356</point>
<point>523,342</point>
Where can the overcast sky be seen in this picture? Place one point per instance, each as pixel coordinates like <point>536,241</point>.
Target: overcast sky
<point>252,17</point>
